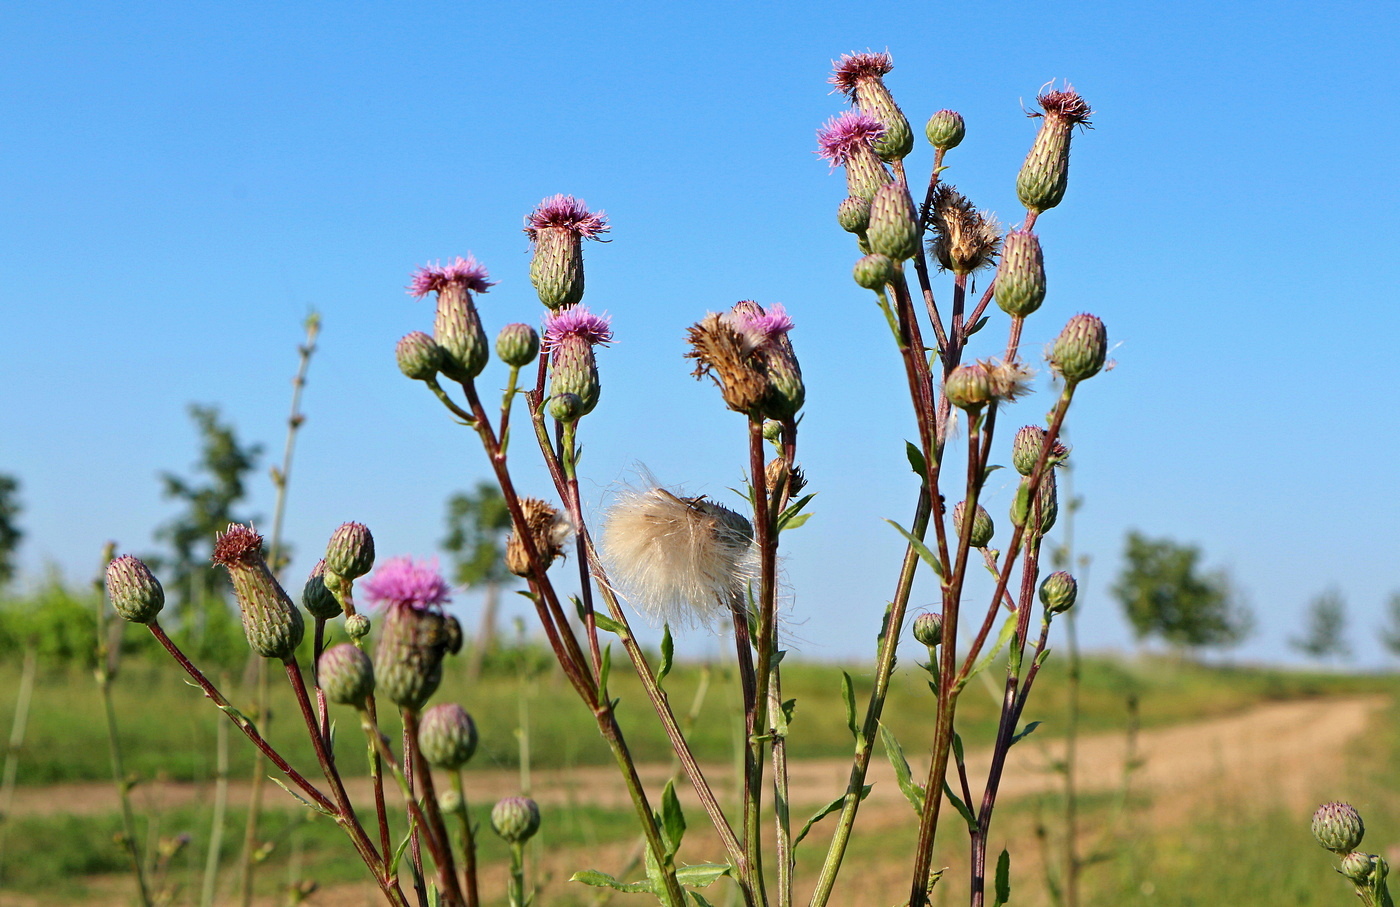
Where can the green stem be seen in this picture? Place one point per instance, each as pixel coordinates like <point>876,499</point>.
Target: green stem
<point>216,823</point>
<point>468,840</point>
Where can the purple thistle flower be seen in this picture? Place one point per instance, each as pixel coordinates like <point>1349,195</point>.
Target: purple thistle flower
<point>567,212</point>
<point>842,135</point>
<point>774,322</point>
<point>851,68</point>
<point>468,272</point>
<point>404,582</point>
<point>576,321</point>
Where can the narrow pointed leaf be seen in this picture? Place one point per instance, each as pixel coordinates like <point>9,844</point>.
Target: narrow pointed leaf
<point>825,811</point>
<point>702,875</point>
<point>913,791</point>
<point>672,819</point>
<point>848,695</point>
<point>668,653</point>
<point>960,806</point>
<point>920,547</point>
<point>1003,881</point>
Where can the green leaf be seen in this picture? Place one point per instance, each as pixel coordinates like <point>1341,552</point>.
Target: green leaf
<point>304,802</point>
<point>795,522</point>
<point>605,667</point>
<point>699,899</point>
<point>958,747</point>
<point>986,473</point>
<point>672,819</point>
<point>1003,882</point>
<point>916,460</point>
<point>788,519</point>
<point>598,879</point>
<point>920,547</point>
<point>912,789</point>
<point>702,875</point>
<point>434,897</point>
<point>981,323</point>
<point>1008,630</point>
<point>578,607</point>
<point>961,807</point>
<point>848,695</point>
<point>668,653</point>
<point>827,810</point>
<point>604,622</point>
<point>1025,732</point>
<point>398,853</point>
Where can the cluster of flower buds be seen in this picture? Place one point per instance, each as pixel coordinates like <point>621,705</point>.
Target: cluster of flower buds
<point>458,347</point>
<point>570,335</point>
<point>1338,828</point>
<point>749,355</point>
<point>861,78</point>
<point>349,556</point>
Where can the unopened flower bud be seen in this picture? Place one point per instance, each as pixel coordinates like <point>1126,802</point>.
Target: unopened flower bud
<point>1045,174</point>
<point>345,673</point>
<point>272,624</point>
<point>357,626</point>
<point>449,802</point>
<point>982,526</point>
<point>1020,280</point>
<point>1043,511</point>
<point>420,358</point>
<point>516,819</point>
<point>968,386</point>
<point>517,345</point>
<point>772,431</point>
<point>1338,827</point>
<point>1360,868</point>
<point>316,598</point>
<point>565,407</point>
<point>928,628</point>
<point>945,129</point>
<point>575,371</point>
<point>894,227</point>
<point>135,592</point>
<point>458,332</point>
<point>1027,447</point>
<point>1080,349</point>
<point>1058,592</point>
<point>350,551</point>
<point>447,736</point>
<point>408,659</point>
<point>549,529</point>
<point>874,272</point>
<point>853,214</point>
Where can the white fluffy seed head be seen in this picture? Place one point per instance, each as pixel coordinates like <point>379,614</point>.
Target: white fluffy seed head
<point>685,561</point>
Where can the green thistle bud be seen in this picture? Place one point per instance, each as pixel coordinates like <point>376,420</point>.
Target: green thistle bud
<point>1046,505</point>
<point>786,390</point>
<point>875,99</point>
<point>272,624</point>
<point>1338,827</point>
<point>420,358</point>
<point>357,626</point>
<point>853,214</point>
<point>945,130</point>
<point>565,407</point>
<point>1362,868</point>
<point>982,526</point>
<point>516,819</point>
<point>1020,281</point>
<point>894,227</point>
<point>1058,592</point>
<point>575,371</point>
<point>135,592</point>
<point>969,386</point>
<point>345,673</point>
<point>458,332</point>
<point>1080,350</point>
<point>1027,447</point>
<point>874,272</point>
<point>316,598</point>
<point>408,659</point>
<point>773,431</point>
<point>517,345</point>
<point>556,270</point>
<point>447,736</point>
<point>350,552</point>
<point>449,802</point>
<point>928,628</point>
<point>1045,174</point>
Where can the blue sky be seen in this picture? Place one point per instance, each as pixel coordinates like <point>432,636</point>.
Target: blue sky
<point>182,182</point>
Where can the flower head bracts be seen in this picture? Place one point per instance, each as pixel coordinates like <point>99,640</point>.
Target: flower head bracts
<point>577,321</point>
<point>404,582</point>
<point>466,272</point>
<point>566,212</point>
<point>1066,104</point>
<point>841,136</point>
<point>852,68</point>
<point>758,326</point>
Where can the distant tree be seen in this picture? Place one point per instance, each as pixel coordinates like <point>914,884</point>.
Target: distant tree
<point>10,533</point>
<point>1165,594</point>
<point>210,502</point>
<point>1390,630</point>
<point>1323,628</point>
<point>477,526</point>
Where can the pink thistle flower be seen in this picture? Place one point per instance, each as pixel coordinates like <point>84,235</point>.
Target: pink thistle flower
<point>576,321</point>
<point>404,582</point>
<point>760,326</point>
<point>839,138</point>
<point>852,68</point>
<point>467,272</point>
<point>569,213</point>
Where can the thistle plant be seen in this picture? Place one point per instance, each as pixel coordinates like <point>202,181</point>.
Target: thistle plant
<point>686,562</point>
<point>1338,828</point>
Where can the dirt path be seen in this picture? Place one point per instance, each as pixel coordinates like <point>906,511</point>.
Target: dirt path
<point>1287,746</point>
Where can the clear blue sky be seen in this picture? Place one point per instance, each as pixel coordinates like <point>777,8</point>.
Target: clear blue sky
<point>183,181</point>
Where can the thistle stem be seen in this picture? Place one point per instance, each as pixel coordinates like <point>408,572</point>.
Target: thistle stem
<point>468,840</point>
